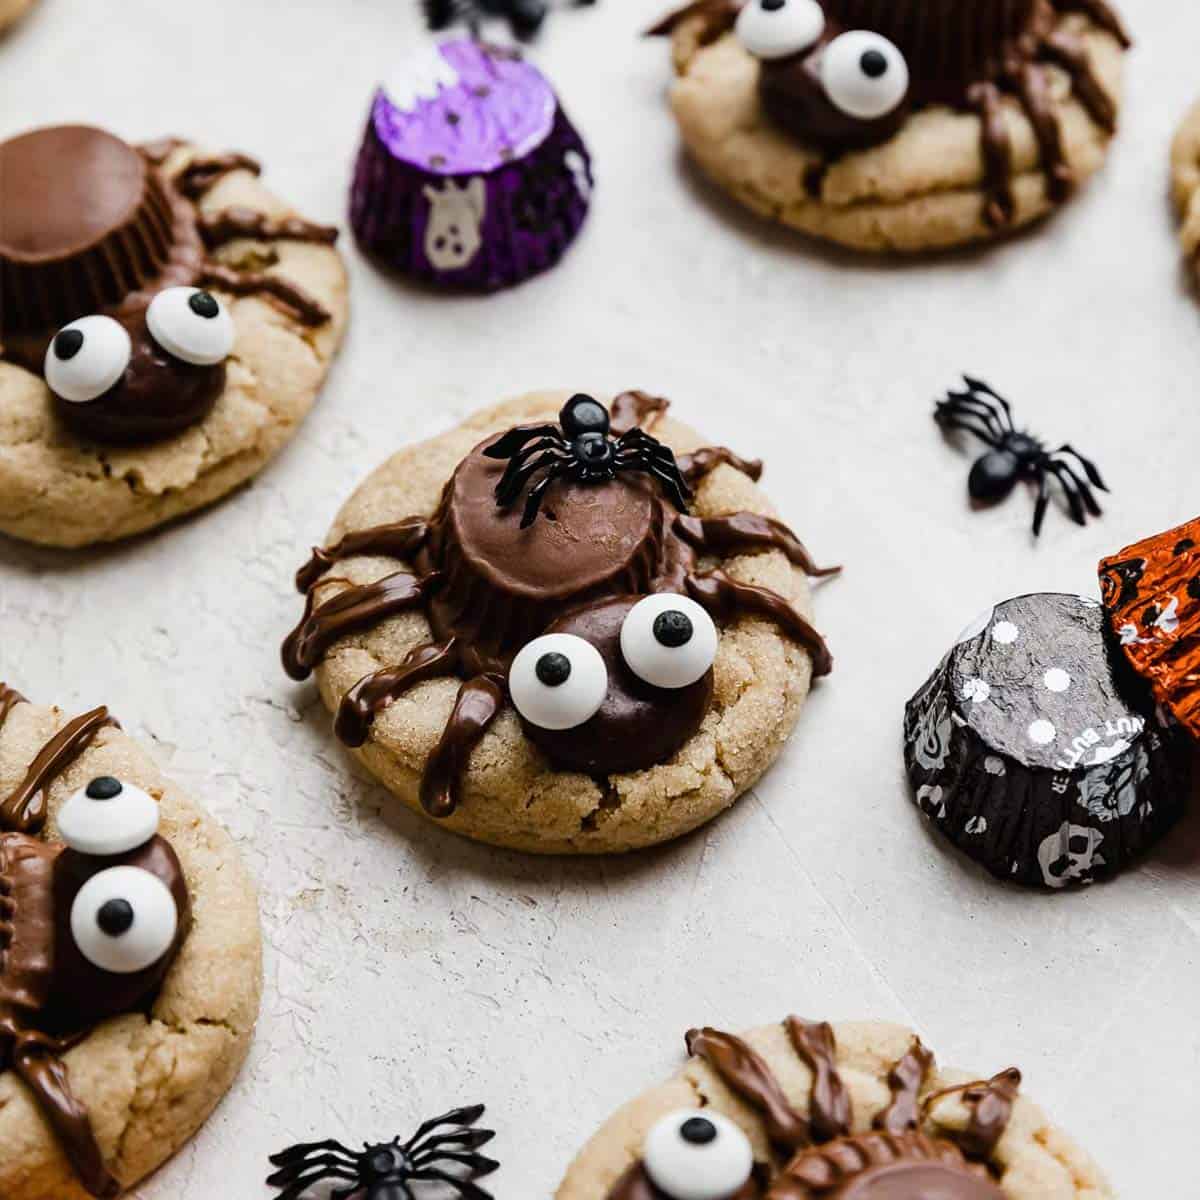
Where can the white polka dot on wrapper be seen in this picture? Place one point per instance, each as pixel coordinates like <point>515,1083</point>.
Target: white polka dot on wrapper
<point>1042,733</point>
<point>977,825</point>
<point>993,765</point>
<point>1056,679</point>
<point>1005,632</point>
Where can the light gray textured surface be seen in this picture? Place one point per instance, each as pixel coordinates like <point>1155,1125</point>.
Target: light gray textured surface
<point>409,971</point>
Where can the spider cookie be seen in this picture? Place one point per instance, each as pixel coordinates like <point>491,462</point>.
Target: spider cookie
<point>166,325</point>
<point>903,126</point>
<point>549,630</point>
<point>808,1111</point>
<point>1030,750</point>
<point>129,958</point>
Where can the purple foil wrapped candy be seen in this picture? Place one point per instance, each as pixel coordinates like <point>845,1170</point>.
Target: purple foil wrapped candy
<point>470,175</point>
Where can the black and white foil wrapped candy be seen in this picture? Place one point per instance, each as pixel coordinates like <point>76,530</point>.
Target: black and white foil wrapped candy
<point>1031,751</point>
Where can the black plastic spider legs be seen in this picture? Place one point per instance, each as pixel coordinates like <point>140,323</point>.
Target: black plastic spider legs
<point>303,1149</point>
<point>463,1187</point>
<point>301,1173</point>
<point>1089,467</point>
<point>515,439</point>
<point>1043,501</point>
<point>456,1116</point>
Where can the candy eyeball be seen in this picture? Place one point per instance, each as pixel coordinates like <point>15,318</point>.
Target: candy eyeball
<point>191,325</point>
<point>558,681</point>
<point>668,641</point>
<point>779,28</point>
<point>864,74</point>
<point>108,817</point>
<point>697,1154</point>
<point>124,920</point>
<point>86,358</point>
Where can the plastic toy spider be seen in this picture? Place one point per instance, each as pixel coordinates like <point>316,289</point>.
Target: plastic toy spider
<point>583,452</point>
<point>526,17</point>
<point>1016,454</point>
<point>386,1170</point>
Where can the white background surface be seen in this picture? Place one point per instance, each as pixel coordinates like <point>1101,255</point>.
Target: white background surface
<point>408,971</point>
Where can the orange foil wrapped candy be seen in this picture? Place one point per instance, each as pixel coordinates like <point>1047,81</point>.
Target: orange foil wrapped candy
<point>1152,593</point>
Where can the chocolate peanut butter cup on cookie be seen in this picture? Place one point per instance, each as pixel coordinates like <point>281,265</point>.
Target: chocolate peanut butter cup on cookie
<point>164,325</point>
<point>129,958</point>
<point>901,126</point>
<point>810,1111</point>
<point>1034,751</point>
<point>549,630</point>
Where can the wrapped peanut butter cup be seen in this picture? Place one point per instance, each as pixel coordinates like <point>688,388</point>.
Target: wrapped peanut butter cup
<point>470,175</point>
<point>1151,591</point>
<point>1029,749</point>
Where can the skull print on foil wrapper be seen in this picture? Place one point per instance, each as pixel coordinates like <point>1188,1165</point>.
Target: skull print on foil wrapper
<point>932,741</point>
<point>1107,799</point>
<point>1070,855</point>
<point>452,235</point>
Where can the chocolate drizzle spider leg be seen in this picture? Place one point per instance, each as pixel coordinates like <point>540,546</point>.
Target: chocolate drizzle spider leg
<point>559,571</point>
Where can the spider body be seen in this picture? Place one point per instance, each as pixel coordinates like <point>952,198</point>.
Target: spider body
<point>1015,455</point>
<point>581,450</point>
<point>387,1170</point>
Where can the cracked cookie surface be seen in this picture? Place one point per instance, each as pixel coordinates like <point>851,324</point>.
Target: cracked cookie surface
<point>921,190</point>
<point>147,1080</point>
<point>1032,1160</point>
<point>510,795</point>
<point>60,490</point>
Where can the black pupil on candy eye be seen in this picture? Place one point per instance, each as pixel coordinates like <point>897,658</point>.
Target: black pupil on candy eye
<point>67,344</point>
<point>773,5</point>
<point>203,305</point>
<point>115,917</point>
<point>696,1131</point>
<point>873,64</point>
<point>553,669</point>
<point>104,788</point>
<point>672,628</point>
